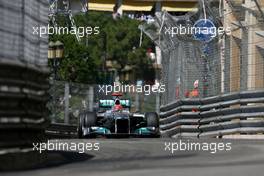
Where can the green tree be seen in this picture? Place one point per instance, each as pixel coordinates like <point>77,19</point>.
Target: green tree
<point>118,40</point>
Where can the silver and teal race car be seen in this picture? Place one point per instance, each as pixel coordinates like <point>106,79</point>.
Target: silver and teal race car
<point>114,118</point>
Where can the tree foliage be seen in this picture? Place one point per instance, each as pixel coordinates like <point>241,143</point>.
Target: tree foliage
<point>118,40</point>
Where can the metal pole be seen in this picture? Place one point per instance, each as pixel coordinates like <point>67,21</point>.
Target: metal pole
<point>53,120</point>
<point>90,98</point>
<point>222,57</point>
<point>66,103</point>
<point>137,102</point>
<point>259,8</point>
<point>157,102</point>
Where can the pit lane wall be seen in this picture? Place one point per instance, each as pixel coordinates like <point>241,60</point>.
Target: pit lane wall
<point>23,82</point>
<point>218,116</point>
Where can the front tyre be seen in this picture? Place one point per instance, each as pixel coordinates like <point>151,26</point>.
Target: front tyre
<point>80,126</point>
<point>89,119</point>
<point>86,120</point>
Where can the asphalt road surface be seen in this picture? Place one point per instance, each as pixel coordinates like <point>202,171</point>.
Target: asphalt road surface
<point>148,157</point>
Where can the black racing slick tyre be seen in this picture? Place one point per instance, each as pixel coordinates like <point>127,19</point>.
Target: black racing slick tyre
<point>86,120</point>
<point>152,119</point>
<point>89,119</point>
<point>80,125</point>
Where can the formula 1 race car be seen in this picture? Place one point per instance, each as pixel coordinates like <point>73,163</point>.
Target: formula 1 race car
<point>113,118</point>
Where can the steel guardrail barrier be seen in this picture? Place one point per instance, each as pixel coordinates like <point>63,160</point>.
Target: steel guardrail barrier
<point>233,113</point>
<point>23,83</point>
<point>61,130</point>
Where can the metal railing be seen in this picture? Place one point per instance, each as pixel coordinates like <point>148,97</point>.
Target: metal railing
<point>61,130</point>
<point>232,113</point>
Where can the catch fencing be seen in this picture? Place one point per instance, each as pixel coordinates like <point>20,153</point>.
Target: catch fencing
<point>69,99</point>
<point>61,130</point>
<point>233,113</point>
<point>225,64</point>
<point>210,84</point>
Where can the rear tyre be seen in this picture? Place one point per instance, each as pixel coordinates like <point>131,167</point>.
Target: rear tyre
<point>80,126</point>
<point>89,119</point>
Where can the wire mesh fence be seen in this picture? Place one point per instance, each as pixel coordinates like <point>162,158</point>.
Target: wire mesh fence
<point>227,63</point>
<point>84,97</point>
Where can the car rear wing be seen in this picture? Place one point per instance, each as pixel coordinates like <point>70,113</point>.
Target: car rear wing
<point>110,103</point>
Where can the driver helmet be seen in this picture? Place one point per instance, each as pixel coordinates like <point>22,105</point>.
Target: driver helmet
<point>117,106</point>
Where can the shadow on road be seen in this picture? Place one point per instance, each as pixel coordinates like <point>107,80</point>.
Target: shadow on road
<point>57,158</point>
